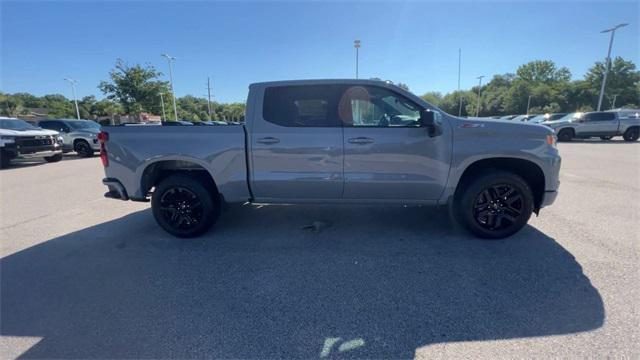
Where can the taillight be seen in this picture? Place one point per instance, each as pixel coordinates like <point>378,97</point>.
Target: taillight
<point>103,137</point>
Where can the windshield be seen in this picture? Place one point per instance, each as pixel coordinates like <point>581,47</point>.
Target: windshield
<point>16,124</point>
<point>570,117</point>
<point>538,119</point>
<point>84,124</point>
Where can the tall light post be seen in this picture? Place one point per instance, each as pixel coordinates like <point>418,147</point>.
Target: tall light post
<point>528,104</point>
<point>171,59</point>
<point>607,61</point>
<point>356,44</point>
<point>73,91</point>
<point>479,94</point>
<point>164,117</point>
<point>459,94</point>
<point>613,103</point>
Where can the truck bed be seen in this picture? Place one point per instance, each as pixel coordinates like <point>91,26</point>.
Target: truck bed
<point>218,149</point>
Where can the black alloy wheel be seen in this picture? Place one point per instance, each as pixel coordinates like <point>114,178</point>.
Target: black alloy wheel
<point>498,207</point>
<point>631,134</point>
<point>83,149</point>
<point>495,204</point>
<point>184,207</point>
<point>181,208</point>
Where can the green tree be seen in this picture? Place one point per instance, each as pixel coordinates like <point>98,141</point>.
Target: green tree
<point>623,80</point>
<point>543,71</point>
<point>136,87</point>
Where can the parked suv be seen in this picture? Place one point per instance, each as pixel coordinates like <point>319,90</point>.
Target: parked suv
<point>602,124</point>
<point>21,140</point>
<point>80,136</point>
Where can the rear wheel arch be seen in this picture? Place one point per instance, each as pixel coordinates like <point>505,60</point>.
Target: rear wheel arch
<point>157,171</point>
<point>529,171</point>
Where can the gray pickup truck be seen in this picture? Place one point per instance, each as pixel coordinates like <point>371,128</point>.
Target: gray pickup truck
<point>336,141</point>
<point>602,124</point>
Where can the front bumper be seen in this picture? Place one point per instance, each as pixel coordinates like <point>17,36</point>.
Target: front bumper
<point>17,154</point>
<point>548,198</point>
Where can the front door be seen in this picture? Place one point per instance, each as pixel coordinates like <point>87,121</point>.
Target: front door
<point>296,144</point>
<point>388,155</point>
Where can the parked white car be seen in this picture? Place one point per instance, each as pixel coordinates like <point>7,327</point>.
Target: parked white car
<point>21,140</point>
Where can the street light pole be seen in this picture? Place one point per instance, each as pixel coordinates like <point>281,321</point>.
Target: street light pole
<point>75,99</point>
<point>209,97</point>
<point>613,104</point>
<point>607,61</point>
<point>170,59</point>
<point>479,94</point>
<point>459,94</point>
<point>164,117</point>
<point>528,103</point>
<point>356,44</point>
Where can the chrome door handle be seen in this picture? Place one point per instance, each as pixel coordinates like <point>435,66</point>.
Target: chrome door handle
<point>268,140</point>
<point>361,140</point>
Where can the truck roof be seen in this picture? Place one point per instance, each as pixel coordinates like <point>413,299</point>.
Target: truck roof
<point>324,82</point>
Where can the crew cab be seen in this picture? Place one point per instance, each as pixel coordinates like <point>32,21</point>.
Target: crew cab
<point>602,124</point>
<point>21,140</point>
<point>80,136</point>
<point>336,141</point>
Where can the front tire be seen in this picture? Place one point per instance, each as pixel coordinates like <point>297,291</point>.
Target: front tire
<point>631,134</point>
<point>83,148</point>
<point>54,158</point>
<point>5,160</point>
<point>565,135</point>
<point>495,205</point>
<point>184,207</point>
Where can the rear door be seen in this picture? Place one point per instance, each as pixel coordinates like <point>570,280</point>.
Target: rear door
<point>296,144</point>
<point>388,155</point>
<point>598,124</point>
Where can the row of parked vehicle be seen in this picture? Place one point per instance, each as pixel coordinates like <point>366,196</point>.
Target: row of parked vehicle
<point>582,125</point>
<point>46,139</point>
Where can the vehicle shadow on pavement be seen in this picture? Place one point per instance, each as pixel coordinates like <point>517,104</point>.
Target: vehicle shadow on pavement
<point>365,282</point>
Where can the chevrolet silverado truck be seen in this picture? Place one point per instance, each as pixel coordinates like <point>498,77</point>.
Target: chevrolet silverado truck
<point>602,124</point>
<point>21,140</point>
<point>336,141</point>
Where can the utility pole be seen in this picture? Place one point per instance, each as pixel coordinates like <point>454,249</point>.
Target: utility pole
<point>171,59</point>
<point>73,91</point>
<point>164,117</point>
<point>459,94</point>
<point>356,44</point>
<point>209,97</point>
<point>613,104</point>
<point>479,93</point>
<point>607,64</point>
<point>528,103</point>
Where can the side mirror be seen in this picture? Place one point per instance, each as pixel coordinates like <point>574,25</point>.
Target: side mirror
<point>431,120</point>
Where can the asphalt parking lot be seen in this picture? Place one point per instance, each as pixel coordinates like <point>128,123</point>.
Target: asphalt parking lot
<point>87,277</point>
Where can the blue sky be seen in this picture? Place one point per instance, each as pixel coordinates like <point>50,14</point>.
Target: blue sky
<point>237,43</point>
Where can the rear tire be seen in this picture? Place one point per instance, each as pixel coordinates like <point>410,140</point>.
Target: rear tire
<point>54,158</point>
<point>565,135</point>
<point>83,148</point>
<point>184,207</point>
<point>495,205</point>
<point>631,134</point>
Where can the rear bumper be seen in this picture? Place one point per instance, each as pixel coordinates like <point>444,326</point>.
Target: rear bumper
<point>116,190</point>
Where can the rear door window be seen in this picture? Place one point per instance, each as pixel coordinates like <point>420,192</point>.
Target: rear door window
<point>302,105</point>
